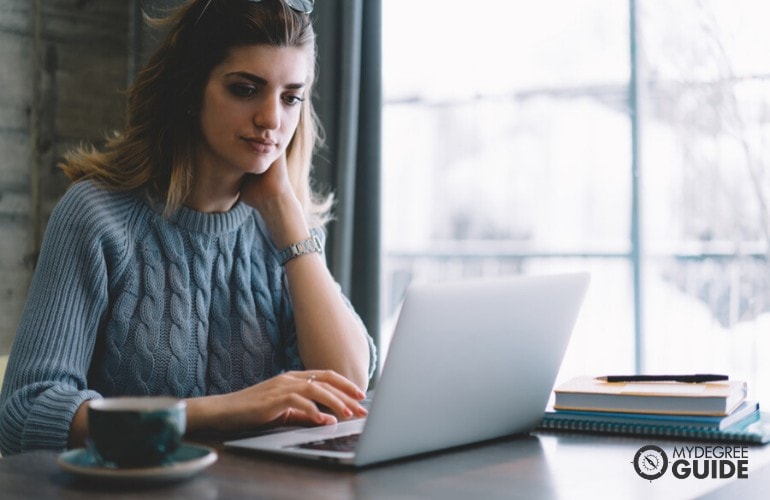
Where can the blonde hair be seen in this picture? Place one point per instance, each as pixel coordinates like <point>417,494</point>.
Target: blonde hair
<point>155,151</point>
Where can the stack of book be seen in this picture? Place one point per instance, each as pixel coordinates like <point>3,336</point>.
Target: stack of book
<point>716,411</point>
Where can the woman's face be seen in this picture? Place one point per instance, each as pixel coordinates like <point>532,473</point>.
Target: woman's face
<point>250,110</point>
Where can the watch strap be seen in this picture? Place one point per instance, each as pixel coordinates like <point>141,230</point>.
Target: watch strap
<point>310,245</point>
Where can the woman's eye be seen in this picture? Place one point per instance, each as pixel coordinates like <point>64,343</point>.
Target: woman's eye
<point>242,90</point>
<point>293,100</point>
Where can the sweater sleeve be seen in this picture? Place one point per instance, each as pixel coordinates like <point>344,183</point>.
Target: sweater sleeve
<point>46,379</point>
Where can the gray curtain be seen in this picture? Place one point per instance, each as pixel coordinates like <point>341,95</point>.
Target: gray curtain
<point>349,103</point>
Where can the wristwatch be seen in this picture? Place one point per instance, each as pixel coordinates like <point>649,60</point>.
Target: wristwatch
<point>310,245</point>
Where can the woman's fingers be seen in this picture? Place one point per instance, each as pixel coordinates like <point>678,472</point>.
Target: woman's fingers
<point>300,418</point>
<point>334,392</point>
<point>336,380</point>
<point>299,408</point>
<point>345,396</point>
<point>342,404</point>
<point>295,398</point>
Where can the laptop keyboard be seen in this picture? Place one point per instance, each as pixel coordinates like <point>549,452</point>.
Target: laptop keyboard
<point>340,443</point>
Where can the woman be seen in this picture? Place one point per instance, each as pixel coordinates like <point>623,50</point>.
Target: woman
<point>185,259</point>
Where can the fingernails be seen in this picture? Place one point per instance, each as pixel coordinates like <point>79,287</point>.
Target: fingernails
<point>323,418</point>
<point>347,412</point>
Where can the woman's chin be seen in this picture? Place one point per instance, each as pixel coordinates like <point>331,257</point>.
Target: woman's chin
<point>258,169</point>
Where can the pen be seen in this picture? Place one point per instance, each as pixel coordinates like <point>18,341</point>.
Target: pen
<point>697,378</point>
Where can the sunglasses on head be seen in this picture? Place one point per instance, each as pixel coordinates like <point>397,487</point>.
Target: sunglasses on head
<point>301,6</point>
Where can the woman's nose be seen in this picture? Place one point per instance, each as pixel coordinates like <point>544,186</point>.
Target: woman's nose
<point>267,114</point>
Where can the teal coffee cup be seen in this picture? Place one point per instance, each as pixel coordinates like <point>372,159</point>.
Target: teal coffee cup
<point>135,431</point>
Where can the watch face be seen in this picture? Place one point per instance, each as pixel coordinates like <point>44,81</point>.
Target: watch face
<point>650,462</point>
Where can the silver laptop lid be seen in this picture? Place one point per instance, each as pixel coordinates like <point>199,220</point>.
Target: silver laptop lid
<point>469,361</point>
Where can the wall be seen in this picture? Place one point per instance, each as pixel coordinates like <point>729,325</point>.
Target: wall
<point>63,64</point>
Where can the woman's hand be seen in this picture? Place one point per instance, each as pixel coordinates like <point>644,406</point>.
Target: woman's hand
<point>292,398</point>
<point>273,196</point>
<point>259,189</point>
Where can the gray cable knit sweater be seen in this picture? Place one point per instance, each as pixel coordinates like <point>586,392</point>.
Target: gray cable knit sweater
<point>127,302</point>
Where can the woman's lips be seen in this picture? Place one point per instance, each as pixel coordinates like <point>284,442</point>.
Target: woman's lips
<point>260,145</point>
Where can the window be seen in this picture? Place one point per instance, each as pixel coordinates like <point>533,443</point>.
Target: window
<point>630,140</point>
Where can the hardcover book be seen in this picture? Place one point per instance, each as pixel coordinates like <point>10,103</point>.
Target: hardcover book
<point>678,398</point>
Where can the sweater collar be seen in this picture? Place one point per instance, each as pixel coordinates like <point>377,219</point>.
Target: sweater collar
<point>211,223</point>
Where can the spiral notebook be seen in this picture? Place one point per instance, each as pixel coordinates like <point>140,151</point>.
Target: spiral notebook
<point>754,429</point>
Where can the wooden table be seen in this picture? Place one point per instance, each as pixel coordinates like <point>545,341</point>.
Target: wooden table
<point>533,467</point>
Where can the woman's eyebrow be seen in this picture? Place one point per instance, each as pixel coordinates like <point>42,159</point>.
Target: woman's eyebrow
<point>261,81</point>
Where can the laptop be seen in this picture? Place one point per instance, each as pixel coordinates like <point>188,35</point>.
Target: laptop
<point>469,361</point>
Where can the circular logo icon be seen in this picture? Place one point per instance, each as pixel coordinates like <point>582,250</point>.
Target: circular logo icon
<point>650,462</point>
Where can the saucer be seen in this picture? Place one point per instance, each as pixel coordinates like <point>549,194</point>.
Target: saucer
<point>185,462</point>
